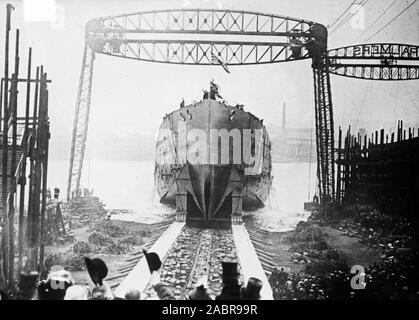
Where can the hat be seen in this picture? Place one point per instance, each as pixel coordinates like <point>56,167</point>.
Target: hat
<point>153,261</point>
<point>27,284</point>
<point>55,286</point>
<point>97,270</point>
<point>61,276</point>
<point>229,270</point>
<point>164,292</point>
<point>252,290</point>
<point>52,289</point>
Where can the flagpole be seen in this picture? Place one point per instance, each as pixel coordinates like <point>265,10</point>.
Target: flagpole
<point>211,69</point>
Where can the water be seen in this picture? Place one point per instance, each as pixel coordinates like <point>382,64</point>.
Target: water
<point>130,185</point>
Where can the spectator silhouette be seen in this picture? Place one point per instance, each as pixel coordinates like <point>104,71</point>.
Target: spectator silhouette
<point>231,287</point>
<point>55,286</point>
<point>133,294</point>
<point>200,292</point>
<point>252,290</point>
<point>98,271</point>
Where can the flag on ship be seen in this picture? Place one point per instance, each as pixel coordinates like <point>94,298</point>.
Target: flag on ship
<point>217,60</point>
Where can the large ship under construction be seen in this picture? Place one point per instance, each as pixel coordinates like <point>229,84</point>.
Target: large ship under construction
<point>233,170</point>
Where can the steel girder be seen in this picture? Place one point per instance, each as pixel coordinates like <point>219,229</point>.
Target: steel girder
<point>81,122</point>
<point>165,36</point>
<point>210,21</point>
<point>324,134</point>
<point>126,36</point>
<point>377,61</point>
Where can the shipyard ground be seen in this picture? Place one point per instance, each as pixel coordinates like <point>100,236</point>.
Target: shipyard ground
<point>350,248</point>
<point>313,250</point>
<point>115,248</point>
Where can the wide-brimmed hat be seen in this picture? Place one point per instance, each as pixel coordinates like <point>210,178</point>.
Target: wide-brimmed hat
<point>97,270</point>
<point>153,260</point>
<point>252,289</point>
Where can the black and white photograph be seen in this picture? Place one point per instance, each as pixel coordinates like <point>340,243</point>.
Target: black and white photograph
<point>225,151</point>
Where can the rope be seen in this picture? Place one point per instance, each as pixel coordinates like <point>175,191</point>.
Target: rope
<point>391,21</point>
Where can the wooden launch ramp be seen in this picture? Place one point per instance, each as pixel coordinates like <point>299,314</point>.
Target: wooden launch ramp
<point>188,252</point>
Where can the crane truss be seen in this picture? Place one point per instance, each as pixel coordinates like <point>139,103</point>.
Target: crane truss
<point>81,122</point>
<point>378,61</point>
<point>165,37</point>
<point>324,133</point>
<point>200,21</point>
<point>126,36</point>
<point>193,53</point>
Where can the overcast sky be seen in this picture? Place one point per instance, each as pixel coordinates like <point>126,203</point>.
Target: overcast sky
<point>129,98</point>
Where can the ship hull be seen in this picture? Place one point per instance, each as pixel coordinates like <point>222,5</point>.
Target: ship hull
<point>202,177</point>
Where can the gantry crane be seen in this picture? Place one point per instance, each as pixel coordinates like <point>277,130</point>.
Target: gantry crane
<point>294,39</point>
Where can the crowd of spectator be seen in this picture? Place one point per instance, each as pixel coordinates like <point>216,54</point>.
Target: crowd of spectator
<point>395,278</point>
<point>60,285</point>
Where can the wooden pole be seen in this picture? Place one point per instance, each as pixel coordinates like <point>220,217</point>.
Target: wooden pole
<point>11,218</point>
<point>30,227</point>
<point>45,146</point>
<point>338,180</point>
<point>4,239</point>
<point>401,129</point>
<point>1,102</point>
<point>36,205</point>
<point>23,171</point>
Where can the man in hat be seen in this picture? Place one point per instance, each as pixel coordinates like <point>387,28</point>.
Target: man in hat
<point>231,287</point>
<point>98,271</point>
<point>200,292</point>
<point>56,193</point>
<point>252,290</point>
<point>56,285</point>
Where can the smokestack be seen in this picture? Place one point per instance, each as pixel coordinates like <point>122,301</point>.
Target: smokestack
<point>284,110</point>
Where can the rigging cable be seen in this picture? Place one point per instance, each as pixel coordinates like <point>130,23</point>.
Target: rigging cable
<point>392,20</point>
<point>376,20</point>
<point>352,14</point>
<point>343,13</point>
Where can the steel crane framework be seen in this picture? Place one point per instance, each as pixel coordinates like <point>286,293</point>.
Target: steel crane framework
<point>191,36</point>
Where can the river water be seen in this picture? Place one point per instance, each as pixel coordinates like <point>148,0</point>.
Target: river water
<point>130,185</point>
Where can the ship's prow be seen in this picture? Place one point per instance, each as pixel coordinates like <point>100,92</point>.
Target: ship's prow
<point>212,160</point>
